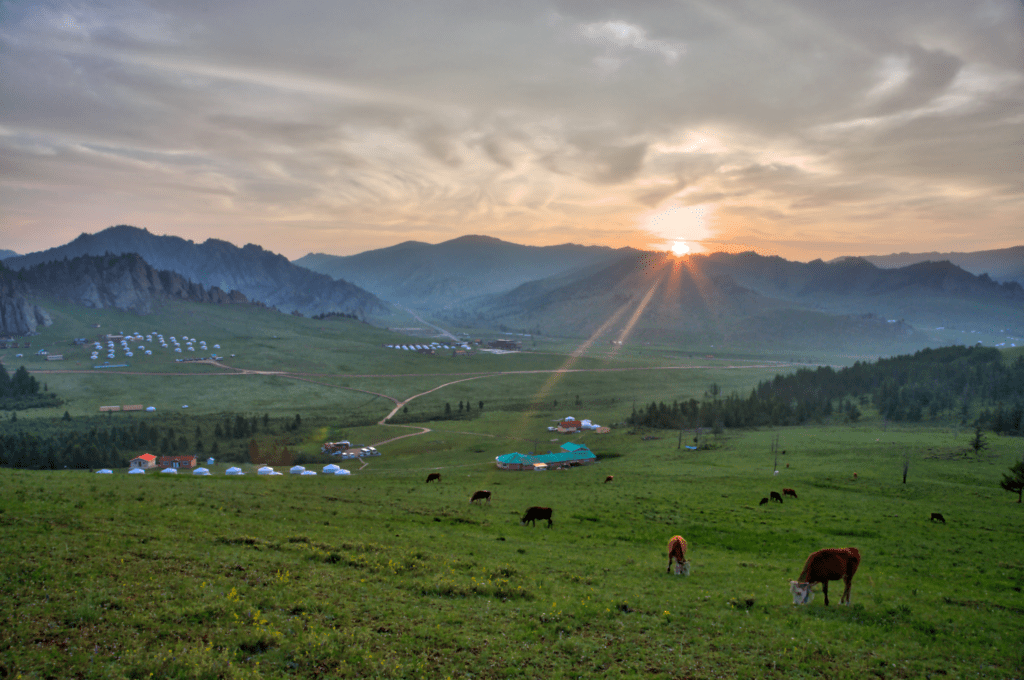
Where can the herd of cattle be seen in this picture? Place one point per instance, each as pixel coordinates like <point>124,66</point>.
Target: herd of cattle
<point>822,566</point>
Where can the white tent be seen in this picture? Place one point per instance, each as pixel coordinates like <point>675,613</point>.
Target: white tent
<point>297,470</point>
<point>151,408</point>
<point>308,473</point>
<point>331,469</point>
<point>265,470</point>
<point>202,472</point>
<point>342,471</point>
<point>104,471</point>
<point>234,471</point>
<point>168,471</point>
<point>209,461</point>
<point>136,471</point>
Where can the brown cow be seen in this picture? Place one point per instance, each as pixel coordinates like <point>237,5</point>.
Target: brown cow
<point>775,496</point>
<point>789,492</point>
<point>433,477</point>
<point>830,564</point>
<point>537,513</point>
<point>677,553</point>
<point>608,479</point>
<point>481,496</point>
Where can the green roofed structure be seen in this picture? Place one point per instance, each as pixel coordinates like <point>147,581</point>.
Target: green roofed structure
<point>571,455</point>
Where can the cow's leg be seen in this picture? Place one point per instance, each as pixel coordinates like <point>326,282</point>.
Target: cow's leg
<point>669,570</point>
<point>846,592</point>
<point>824,590</point>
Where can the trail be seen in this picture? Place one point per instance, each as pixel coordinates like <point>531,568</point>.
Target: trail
<point>231,371</point>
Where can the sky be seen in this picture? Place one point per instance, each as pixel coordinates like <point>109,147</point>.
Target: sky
<point>804,129</point>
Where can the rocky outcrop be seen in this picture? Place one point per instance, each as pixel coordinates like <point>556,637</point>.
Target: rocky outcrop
<point>125,282</point>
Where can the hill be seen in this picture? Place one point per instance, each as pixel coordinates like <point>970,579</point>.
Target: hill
<point>124,282</point>
<point>4,254</point>
<point>1005,264</point>
<point>446,275</point>
<point>257,273</point>
<point>747,299</point>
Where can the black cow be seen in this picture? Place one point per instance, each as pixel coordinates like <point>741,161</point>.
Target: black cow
<point>537,513</point>
<point>433,477</point>
<point>937,517</point>
<point>481,496</point>
<point>776,497</point>
<point>764,501</point>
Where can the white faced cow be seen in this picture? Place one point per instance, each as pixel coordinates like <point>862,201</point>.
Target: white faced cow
<point>830,564</point>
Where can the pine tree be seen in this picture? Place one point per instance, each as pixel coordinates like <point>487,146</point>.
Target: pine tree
<point>1015,480</point>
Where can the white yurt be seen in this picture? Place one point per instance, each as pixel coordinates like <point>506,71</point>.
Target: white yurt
<point>234,471</point>
<point>136,471</point>
<point>209,461</point>
<point>342,471</point>
<point>265,470</point>
<point>168,471</point>
<point>308,473</point>
<point>151,408</point>
<point>297,470</point>
<point>201,472</point>
<point>331,469</point>
<point>104,471</point>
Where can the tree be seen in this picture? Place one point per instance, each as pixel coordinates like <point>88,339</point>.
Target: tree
<point>978,442</point>
<point>1015,480</point>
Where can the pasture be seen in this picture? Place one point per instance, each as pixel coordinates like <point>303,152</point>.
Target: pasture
<point>382,575</point>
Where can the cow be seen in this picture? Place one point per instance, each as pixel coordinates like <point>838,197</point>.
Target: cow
<point>775,496</point>
<point>433,477</point>
<point>677,553</point>
<point>609,478</point>
<point>764,501</point>
<point>937,517</point>
<point>855,476</point>
<point>830,564</point>
<point>481,496</point>
<point>537,513</point>
<point>789,492</point>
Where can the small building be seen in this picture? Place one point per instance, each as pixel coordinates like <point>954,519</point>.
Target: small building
<point>143,462</point>
<point>55,357</point>
<point>571,455</point>
<point>507,345</point>
<point>176,462</point>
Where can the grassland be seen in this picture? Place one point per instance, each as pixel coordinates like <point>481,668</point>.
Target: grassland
<point>381,575</point>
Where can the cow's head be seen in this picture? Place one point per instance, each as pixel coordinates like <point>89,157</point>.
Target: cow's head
<point>683,568</point>
<point>802,593</point>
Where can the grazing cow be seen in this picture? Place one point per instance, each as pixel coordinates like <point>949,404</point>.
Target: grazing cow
<point>937,517</point>
<point>677,553</point>
<point>481,496</point>
<point>789,492</point>
<point>537,513</point>
<point>830,564</point>
<point>764,501</point>
<point>433,477</point>
<point>775,496</point>
<point>608,479</point>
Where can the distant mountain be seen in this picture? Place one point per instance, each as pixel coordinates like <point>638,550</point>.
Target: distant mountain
<point>1006,264</point>
<point>751,299</point>
<point>258,274</point>
<point>4,254</point>
<point>124,282</point>
<point>446,275</point>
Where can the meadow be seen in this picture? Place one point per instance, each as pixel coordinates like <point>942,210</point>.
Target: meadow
<point>380,575</point>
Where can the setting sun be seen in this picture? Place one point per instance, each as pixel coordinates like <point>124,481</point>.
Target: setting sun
<point>680,248</point>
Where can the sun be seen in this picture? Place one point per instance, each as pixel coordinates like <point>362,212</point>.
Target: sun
<point>680,248</point>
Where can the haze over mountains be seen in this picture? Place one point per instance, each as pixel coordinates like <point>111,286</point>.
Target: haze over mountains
<point>1006,264</point>
<point>570,290</point>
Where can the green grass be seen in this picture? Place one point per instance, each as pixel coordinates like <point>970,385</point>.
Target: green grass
<point>381,575</point>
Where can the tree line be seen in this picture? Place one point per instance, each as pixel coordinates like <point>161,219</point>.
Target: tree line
<point>22,391</point>
<point>964,383</point>
<point>91,445</point>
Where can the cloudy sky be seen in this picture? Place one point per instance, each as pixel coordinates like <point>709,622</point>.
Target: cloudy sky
<point>802,128</point>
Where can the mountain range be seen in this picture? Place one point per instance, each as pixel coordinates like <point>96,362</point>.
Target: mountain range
<point>1006,264</point>
<point>257,273</point>
<point>572,290</point>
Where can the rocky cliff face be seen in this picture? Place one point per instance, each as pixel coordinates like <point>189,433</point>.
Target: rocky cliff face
<point>125,282</point>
